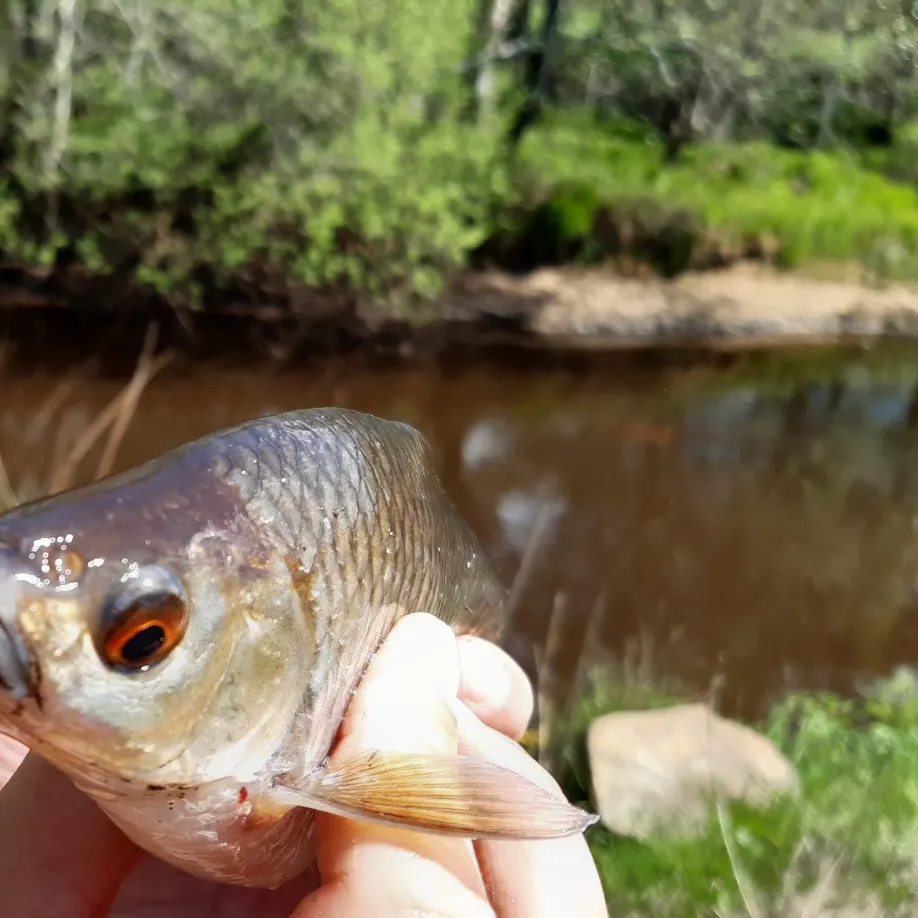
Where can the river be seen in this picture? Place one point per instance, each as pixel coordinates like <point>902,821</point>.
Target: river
<point>747,529</point>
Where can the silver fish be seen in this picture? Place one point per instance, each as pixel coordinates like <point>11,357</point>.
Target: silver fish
<point>183,640</point>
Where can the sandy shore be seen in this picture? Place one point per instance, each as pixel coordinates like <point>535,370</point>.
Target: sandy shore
<point>747,305</point>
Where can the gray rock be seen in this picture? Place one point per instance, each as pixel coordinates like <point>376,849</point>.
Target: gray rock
<point>658,771</point>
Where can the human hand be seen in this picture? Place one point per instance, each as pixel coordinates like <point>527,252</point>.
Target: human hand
<point>61,856</point>
<point>11,756</point>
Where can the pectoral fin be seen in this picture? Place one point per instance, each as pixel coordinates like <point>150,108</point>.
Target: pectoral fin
<point>447,795</point>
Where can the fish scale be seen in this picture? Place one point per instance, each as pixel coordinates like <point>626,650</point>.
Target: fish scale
<point>289,546</point>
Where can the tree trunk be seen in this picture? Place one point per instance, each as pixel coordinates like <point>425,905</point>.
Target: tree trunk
<point>494,21</point>
<point>538,74</point>
<point>827,114</point>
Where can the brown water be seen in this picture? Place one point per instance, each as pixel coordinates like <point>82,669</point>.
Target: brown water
<point>699,523</point>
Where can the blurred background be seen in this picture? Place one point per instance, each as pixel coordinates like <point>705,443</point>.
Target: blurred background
<point>211,211</point>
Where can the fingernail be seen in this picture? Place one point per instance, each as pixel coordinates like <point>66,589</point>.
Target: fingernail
<point>485,680</point>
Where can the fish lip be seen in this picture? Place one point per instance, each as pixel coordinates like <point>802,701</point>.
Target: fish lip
<point>14,665</point>
<point>15,659</point>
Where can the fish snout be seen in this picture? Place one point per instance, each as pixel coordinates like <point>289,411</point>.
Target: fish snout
<point>14,657</point>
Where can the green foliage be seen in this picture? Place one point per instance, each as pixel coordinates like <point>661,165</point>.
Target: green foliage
<point>857,763</point>
<point>899,161</point>
<point>684,877</point>
<point>852,834</point>
<point>818,205</point>
<point>321,145</point>
<point>203,147</point>
<point>803,74</point>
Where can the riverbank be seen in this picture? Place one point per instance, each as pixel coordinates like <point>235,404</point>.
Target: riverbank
<point>590,237</point>
<point>746,306</point>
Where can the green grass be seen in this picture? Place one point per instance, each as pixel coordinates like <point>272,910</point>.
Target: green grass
<point>833,205</point>
<point>850,838</point>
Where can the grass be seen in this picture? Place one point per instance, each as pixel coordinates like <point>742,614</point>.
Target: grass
<point>850,839</point>
<point>820,206</point>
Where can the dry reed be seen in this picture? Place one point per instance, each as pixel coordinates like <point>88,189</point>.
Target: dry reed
<point>114,420</point>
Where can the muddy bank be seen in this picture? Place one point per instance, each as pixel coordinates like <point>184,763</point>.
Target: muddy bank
<point>745,306</point>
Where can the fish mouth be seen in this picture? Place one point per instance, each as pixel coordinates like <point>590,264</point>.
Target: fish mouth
<point>14,657</point>
<point>14,667</point>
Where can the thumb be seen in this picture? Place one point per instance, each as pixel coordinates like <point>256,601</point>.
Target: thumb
<point>403,705</point>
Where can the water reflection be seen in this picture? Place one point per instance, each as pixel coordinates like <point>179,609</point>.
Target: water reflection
<point>766,537</point>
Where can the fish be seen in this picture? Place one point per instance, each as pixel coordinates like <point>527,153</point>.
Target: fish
<point>182,640</point>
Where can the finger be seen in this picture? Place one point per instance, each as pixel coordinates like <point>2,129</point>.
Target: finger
<point>539,879</point>
<point>59,853</point>
<point>412,681</point>
<point>157,890</point>
<point>403,705</point>
<point>494,686</point>
<point>11,756</point>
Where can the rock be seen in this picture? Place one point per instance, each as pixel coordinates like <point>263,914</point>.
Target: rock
<point>657,771</point>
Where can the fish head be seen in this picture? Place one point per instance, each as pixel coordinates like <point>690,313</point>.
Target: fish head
<point>145,641</point>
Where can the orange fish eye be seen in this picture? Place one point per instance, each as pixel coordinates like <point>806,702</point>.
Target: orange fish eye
<point>145,633</point>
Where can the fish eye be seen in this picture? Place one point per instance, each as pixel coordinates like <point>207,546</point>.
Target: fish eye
<point>144,622</point>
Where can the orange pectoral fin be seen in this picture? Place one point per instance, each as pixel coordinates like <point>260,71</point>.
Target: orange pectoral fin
<point>445,795</point>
